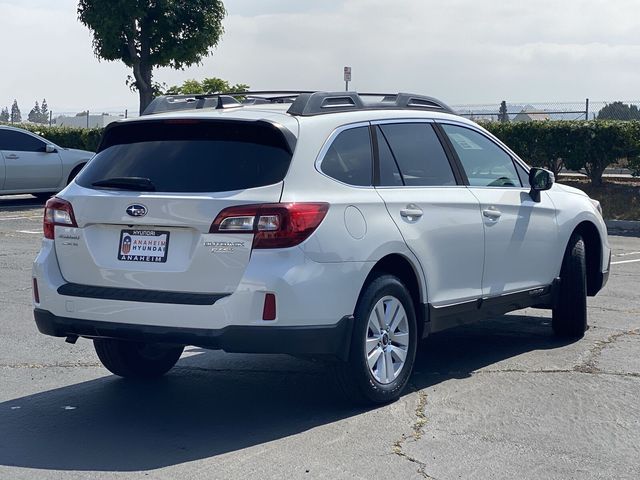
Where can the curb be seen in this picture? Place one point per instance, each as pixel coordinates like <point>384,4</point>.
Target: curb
<point>627,226</point>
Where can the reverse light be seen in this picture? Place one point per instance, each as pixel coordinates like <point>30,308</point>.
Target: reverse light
<point>57,212</point>
<point>273,225</point>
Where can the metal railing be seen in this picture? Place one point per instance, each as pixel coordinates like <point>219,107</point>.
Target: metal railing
<point>528,111</point>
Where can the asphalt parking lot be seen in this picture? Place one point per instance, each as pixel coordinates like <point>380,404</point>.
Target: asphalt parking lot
<point>499,399</point>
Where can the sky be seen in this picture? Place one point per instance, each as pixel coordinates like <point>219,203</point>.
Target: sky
<point>461,51</point>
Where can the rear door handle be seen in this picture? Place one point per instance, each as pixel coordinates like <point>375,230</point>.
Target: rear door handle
<point>492,213</point>
<point>411,212</point>
<point>12,156</point>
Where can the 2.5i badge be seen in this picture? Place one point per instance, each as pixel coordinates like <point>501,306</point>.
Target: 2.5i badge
<point>143,246</point>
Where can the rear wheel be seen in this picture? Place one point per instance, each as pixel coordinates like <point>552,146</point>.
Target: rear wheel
<point>74,173</point>
<point>570,312</point>
<point>383,344</point>
<point>136,359</point>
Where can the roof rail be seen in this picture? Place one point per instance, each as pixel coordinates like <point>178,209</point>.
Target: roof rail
<point>196,101</point>
<point>303,102</point>
<point>318,103</point>
<point>171,103</point>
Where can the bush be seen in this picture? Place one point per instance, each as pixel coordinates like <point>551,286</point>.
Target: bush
<point>578,145</point>
<point>67,137</point>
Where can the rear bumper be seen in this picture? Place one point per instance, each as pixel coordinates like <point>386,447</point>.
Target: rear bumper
<point>321,340</point>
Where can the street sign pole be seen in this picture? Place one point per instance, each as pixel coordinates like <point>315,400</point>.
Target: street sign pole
<point>347,78</point>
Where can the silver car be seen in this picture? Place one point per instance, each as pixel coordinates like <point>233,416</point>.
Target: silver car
<point>32,164</point>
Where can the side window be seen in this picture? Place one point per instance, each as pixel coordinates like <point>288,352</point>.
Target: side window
<point>484,162</point>
<point>12,140</point>
<point>419,154</point>
<point>348,159</point>
<point>389,173</point>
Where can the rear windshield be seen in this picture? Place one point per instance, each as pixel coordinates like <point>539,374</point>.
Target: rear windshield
<point>191,155</point>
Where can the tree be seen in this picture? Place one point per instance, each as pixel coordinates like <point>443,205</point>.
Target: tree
<point>16,116</point>
<point>145,34</point>
<point>44,111</point>
<point>4,115</point>
<point>35,115</point>
<point>619,111</point>
<point>596,145</point>
<point>503,116</point>
<point>207,85</point>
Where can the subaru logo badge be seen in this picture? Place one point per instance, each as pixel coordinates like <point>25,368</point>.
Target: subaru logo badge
<point>136,210</point>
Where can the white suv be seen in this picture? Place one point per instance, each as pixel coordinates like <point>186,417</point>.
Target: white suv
<point>331,225</point>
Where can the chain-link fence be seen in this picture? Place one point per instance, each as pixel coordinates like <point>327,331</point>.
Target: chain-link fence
<point>531,111</point>
<point>82,119</point>
<point>494,112</point>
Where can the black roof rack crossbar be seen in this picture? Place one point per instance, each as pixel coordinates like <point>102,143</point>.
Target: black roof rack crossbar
<point>303,102</point>
<point>318,103</point>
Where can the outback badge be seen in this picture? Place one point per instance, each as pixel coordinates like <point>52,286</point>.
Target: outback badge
<point>136,210</point>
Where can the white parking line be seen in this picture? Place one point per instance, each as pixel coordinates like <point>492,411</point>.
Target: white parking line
<point>21,218</point>
<point>33,232</point>
<point>626,261</point>
<point>626,254</point>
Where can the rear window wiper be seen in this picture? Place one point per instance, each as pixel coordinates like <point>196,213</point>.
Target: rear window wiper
<point>127,183</point>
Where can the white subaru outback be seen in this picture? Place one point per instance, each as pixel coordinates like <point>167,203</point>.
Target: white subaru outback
<point>332,225</point>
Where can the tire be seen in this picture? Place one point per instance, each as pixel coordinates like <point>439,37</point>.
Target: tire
<point>136,359</point>
<point>361,383</point>
<point>570,309</point>
<point>74,173</point>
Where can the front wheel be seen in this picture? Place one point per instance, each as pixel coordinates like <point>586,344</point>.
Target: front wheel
<point>383,344</point>
<point>570,311</point>
<point>136,359</point>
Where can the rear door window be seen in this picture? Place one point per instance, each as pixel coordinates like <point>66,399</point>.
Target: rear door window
<point>191,156</point>
<point>390,175</point>
<point>419,154</point>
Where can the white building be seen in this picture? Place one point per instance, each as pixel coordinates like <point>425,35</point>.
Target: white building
<point>82,121</point>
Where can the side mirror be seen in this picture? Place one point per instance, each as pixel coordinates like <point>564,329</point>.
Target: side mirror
<point>48,148</point>
<point>539,179</point>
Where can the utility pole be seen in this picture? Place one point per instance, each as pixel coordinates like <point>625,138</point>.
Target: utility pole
<point>347,78</point>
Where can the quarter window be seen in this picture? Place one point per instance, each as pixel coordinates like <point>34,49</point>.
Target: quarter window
<point>484,162</point>
<point>349,159</point>
<point>419,154</point>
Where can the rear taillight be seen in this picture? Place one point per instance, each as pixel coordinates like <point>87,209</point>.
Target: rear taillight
<point>57,212</point>
<point>273,225</point>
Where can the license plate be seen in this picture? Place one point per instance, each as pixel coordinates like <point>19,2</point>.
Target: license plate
<point>143,246</point>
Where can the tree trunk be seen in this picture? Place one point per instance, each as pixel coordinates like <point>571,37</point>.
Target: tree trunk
<point>146,96</point>
<point>595,174</point>
<point>142,74</point>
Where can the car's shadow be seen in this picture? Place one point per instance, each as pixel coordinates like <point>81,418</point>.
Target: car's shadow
<point>213,403</point>
<point>20,201</point>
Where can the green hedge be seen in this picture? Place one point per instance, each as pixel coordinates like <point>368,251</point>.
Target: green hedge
<point>577,145</point>
<point>68,137</point>
<point>588,145</point>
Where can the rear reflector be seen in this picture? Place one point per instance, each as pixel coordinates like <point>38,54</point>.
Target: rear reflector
<point>273,225</point>
<point>36,294</point>
<point>57,212</point>
<point>269,310</point>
